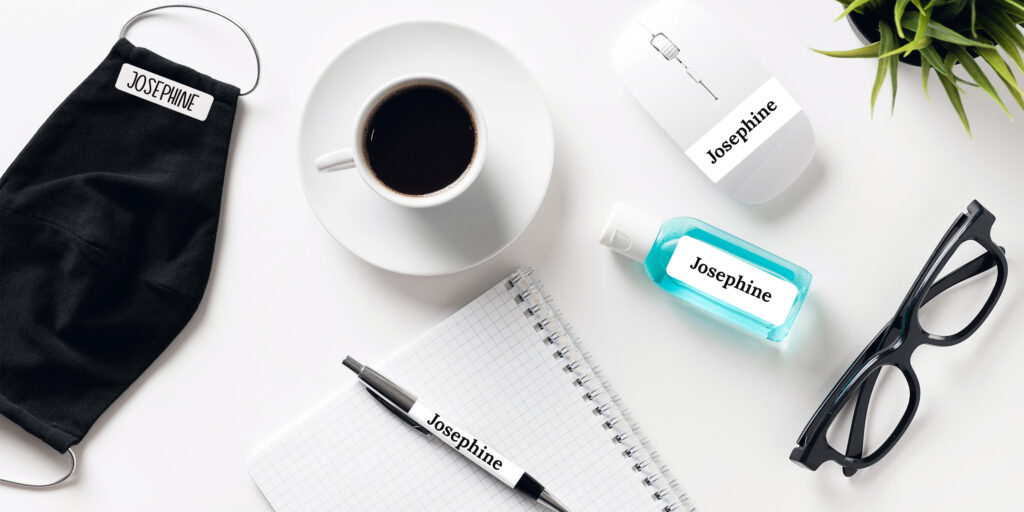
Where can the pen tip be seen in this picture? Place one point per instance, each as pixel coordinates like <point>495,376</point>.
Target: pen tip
<point>551,502</point>
<point>352,364</point>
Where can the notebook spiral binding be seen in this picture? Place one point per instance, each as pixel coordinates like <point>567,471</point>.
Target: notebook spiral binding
<point>567,348</point>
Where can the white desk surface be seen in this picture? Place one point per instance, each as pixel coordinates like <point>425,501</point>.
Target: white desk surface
<point>286,302</point>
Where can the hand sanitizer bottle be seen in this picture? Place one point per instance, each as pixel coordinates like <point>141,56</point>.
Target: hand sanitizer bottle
<point>712,269</point>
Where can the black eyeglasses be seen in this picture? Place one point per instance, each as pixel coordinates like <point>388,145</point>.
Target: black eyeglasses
<point>893,346</point>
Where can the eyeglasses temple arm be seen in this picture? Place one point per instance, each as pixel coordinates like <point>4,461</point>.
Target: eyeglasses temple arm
<point>855,445</point>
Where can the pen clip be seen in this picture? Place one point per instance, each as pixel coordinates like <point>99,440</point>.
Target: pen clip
<point>398,412</point>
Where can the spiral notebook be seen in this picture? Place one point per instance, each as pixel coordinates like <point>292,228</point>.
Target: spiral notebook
<point>506,366</point>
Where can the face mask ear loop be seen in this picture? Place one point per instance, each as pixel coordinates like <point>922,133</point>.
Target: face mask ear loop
<point>74,465</point>
<point>128,24</point>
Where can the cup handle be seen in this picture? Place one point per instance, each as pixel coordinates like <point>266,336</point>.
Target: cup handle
<point>336,161</point>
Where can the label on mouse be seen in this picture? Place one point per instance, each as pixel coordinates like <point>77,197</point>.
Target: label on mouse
<point>729,279</point>
<point>740,132</point>
<point>164,92</point>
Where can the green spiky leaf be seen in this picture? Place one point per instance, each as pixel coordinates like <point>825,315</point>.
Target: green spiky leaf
<point>921,38</point>
<point>1011,86</point>
<point>932,56</point>
<point>870,50</point>
<point>1013,6</point>
<point>974,20</point>
<point>901,6</point>
<point>996,62</point>
<point>1006,35</point>
<point>954,95</point>
<point>936,30</point>
<point>974,70</point>
<point>851,7</point>
<point>885,64</point>
<point>894,64</point>
<point>926,69</point>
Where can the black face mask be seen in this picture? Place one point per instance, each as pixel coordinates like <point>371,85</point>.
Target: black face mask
<point>108,220</point>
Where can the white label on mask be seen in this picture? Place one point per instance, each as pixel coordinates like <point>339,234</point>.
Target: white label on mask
<point>743,130</point>
<point>729,279</point>
<point>164,92</point>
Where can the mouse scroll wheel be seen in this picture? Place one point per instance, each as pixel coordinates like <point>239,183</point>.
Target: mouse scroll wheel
<point>665,46</point>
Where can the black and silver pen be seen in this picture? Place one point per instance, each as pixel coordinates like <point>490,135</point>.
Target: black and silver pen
<point>422,418</point>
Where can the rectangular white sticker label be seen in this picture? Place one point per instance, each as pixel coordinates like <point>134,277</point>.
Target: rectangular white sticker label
<point>467,444</point>
<point>729,279</point>
<point>164,92</point>
<point>740,132</point>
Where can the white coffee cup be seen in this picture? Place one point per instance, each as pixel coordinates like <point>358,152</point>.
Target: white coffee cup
<point>354,157</point>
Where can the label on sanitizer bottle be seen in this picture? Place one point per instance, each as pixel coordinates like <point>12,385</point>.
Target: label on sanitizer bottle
<point>743,130</point>
<point>729,279</point>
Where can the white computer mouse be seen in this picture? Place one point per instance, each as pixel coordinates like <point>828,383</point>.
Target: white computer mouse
<point>730,115</point>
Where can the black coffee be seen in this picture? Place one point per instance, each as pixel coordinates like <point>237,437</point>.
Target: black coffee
<point>420,140</point>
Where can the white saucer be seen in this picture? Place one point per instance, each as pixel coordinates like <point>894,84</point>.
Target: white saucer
<point>476,225</point>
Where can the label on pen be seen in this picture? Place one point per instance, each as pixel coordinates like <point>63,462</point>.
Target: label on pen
<point>467,444</point>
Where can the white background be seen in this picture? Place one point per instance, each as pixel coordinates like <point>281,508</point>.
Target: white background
<point>286,302</point>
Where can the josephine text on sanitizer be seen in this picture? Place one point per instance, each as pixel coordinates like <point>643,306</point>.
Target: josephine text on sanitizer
<point>713,270</point>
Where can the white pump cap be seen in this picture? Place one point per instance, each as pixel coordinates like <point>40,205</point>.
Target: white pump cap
<point>630,232</point>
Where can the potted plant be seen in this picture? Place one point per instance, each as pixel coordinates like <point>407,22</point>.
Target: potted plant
<point>938,35</point>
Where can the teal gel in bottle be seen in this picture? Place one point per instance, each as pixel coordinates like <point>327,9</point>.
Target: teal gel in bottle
<point>712,269</point>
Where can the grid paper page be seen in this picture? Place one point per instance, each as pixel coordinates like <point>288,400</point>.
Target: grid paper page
<point>487,368</point>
